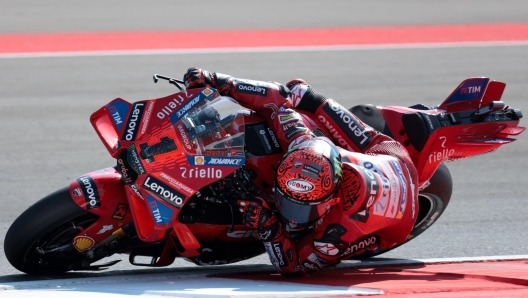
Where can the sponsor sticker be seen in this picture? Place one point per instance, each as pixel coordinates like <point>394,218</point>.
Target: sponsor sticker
<point>244,234</point>
<point>132,125</point>
<point>381,206</point>
<point>251,89</point>
<point>291,125</point>
<point>364,243</point>
<point>295,131</point>
<point>184,137</point>
<point>286,118</point>
<point>127,174</point>
<point>77,192</point>
<point>187,107</point>
<point>372,186</point>
<point>146,119</point>
<point>273,138</point>
<point>176,183</point>
<point>299,185</point>
<point>90,191</point>
<point>163,191</point>
<point>306,168</point>
<point>403,200</point>
<point>118,111</point>
<point>105,229</point>
<point>326,248</point>
<point>216,161</point>
<point>120,211</point>
<point>297,93</point>
<point>134,161</point>
<point>199,172</point>
<point>347,123</point>
<point>160,213</point>
<point>278,251</point>
<point>82,243</point>
<point>172,105</point>
<point>136,191</point>
<point>470,90</point>
<point>199,160</point>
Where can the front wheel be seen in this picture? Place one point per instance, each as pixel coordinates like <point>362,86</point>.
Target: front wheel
<point>40,239</point>
<point>432,202</point>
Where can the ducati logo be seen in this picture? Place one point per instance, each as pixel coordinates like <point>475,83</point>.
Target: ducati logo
<point>77,192</point>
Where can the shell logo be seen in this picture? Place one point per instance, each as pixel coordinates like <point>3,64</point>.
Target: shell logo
<point>82,243</point>
<point>207,91</point>
<point>199,160</point>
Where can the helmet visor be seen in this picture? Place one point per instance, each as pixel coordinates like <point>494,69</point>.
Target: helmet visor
<point>300,214</point>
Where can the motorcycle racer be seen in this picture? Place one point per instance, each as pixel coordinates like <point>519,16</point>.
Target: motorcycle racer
<point>341,189</point>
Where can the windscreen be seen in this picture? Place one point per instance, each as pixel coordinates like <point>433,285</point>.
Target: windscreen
<point>215,129</point>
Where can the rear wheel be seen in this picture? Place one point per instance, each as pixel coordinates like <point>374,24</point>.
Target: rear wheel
<point>40,240</point>
<point>432,201</point>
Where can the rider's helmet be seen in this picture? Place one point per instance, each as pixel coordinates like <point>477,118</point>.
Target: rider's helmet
<point>307,177</point>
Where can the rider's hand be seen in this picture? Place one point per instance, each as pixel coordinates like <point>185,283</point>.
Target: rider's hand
<point>197,78</point>
<point>294,82</point>
<point>257,215</point>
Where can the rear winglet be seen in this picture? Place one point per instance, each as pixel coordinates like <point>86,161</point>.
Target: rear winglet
<point>466,96</point>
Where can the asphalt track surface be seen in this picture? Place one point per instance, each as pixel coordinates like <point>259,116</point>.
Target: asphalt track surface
<point>45,103</point>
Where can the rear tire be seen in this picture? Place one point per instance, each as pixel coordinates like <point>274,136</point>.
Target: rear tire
<point>50,223</point>
<point>433,200</point>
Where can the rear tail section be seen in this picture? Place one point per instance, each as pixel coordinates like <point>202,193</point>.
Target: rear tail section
<point>467,96</point>
<point>472,94</point>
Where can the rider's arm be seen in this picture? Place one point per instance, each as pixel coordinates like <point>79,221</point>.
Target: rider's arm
<point>346,130</point>
<point>270,100</point>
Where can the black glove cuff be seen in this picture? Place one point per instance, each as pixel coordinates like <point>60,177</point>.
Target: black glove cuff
<point>221,79</point>
<point>311,100</point>
<point>269,233</point>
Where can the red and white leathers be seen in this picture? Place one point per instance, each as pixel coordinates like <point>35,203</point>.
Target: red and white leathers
<point>378,193</point>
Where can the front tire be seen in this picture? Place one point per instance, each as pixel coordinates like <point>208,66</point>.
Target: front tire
<point>40,240</point>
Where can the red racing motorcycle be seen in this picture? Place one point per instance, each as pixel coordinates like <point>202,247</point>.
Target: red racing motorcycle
<point>184,160</point>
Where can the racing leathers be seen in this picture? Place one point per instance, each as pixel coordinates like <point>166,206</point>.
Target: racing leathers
<point>377,197</point>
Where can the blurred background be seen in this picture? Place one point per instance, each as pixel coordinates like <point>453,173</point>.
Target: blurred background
<point>45,102</point>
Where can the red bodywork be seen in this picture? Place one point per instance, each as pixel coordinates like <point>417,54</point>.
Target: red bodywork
<point>124,128</point>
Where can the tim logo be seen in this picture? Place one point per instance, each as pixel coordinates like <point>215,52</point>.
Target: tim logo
<point>469,90</point>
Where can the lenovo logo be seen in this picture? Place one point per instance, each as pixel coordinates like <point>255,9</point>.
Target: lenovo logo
<point>250,89</point>
<point>133,122</point>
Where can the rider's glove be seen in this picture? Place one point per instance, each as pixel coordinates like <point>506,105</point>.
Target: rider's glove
<point>197,78</point>
<point>294,82</point>
<point>257,215</point>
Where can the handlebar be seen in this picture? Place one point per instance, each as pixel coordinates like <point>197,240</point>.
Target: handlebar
<point>173,81</point>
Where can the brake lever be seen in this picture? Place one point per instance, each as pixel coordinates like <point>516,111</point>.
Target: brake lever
<point>172,81</point>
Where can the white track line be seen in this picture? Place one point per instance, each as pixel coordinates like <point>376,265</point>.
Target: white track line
<point>198,284</point>
<point>383,262</point>
<point>263,49</point>
<point>172,285</point>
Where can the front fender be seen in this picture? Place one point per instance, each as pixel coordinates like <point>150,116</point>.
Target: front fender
<point>102,193</point>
